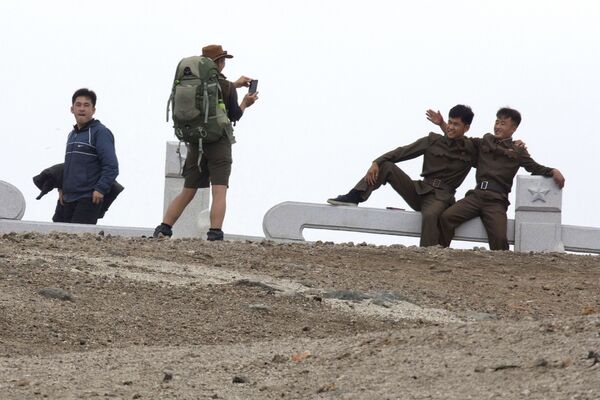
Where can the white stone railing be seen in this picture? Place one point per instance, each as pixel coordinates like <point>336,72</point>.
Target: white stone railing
<point>536,227</point>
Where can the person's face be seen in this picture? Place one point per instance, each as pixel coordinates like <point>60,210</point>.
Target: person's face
<point>83,110</point>
<point>221,64</point>
<point>456,128</point>
<point>504,128</point>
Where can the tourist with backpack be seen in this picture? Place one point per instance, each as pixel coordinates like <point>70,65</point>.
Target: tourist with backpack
<point>91,164</point>
<point>447,159</point>
<point>204,106</point>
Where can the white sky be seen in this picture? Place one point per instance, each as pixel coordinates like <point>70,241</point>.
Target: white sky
<point>341,82</point>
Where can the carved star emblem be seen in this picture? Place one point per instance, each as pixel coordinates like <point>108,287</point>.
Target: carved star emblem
<point>539,194</point>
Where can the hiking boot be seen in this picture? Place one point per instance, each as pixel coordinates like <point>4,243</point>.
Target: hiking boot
<point>352,198</point>
<point>214,234</point>
<point>163,230</point>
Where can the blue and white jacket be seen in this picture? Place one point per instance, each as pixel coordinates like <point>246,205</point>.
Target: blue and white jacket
<point>90,161</point>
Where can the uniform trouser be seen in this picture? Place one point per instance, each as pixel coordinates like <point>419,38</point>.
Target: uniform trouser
<point>490,206</point>
<point>430,207</point>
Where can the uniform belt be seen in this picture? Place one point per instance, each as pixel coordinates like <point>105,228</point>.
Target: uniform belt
<point>488,185</point>
<point>438,184</point>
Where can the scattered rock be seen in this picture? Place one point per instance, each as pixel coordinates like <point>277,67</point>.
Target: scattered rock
<point>506,366</point>
<point>168,376</point>
<point>297,357</point>
<point>480,316</point>
<point>239,379</point>
<point>259,307</point>
<point>588,311</point>
<point>259,285</point>
<point>541,362</point>
<point>381,303</point>
<point>346,295</point>
<point>278,358</point>
<point>594,355</point>
<point>326,388</point>
<point>56,293</point>
<point>567,362</point>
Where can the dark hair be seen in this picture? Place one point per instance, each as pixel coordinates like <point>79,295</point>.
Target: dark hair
<point>84,92</point>
<point>463,112</point>
<point>511,113</point>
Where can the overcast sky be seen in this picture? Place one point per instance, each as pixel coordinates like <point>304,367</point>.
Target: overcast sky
<point>341,82</point>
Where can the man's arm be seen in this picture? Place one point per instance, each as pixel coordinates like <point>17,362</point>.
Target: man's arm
<point>235,110</point>
<point>402,153</point>
<point>407,152</point>
<point>105,147</point>
<point>536,169</point>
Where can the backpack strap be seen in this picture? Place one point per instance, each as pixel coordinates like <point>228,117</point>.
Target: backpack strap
<point>175,83</point>
<point>205,101</point>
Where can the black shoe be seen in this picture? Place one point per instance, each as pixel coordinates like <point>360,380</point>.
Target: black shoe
<point>214,234</point>
<point>352,198</point>
<point>163,230</point>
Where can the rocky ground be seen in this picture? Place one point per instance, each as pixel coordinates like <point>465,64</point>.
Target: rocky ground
<point>103,317</point>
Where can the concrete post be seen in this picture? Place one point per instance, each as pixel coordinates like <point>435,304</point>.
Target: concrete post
<point>538,215</point>
<point>194,222</point>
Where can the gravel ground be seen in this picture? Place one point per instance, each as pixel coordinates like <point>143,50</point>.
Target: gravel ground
<point>84,316</point>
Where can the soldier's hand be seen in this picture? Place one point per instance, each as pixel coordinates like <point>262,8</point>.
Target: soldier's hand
<point>243,81</point>
<point>558,178</point>
<point>520,143</point>
<point>372,174</point>
<point>97,197</point>
<point>435,117</point>
<point>61,197</point>
<point>248,100</point>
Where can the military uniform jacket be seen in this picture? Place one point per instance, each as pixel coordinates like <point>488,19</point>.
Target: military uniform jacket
<point>448,160</point>
<point>500,160</point>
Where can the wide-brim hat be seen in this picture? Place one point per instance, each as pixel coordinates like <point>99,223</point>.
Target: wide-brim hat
<point>214,52</point>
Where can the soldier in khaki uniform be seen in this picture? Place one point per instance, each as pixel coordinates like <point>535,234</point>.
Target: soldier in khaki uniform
<point>446,162</point>
<point>499,159</point>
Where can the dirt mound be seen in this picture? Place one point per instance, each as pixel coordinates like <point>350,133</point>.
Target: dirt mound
<point>85,316</point>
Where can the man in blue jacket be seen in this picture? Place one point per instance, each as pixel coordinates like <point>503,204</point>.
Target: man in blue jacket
<point>91,164</point>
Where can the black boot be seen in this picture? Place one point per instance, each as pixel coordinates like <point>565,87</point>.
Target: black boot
<point>214,234</point>
<point>163,230</point>
<point>352,198</point>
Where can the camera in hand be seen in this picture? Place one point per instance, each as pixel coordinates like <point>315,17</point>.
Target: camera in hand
<point>253,86</point>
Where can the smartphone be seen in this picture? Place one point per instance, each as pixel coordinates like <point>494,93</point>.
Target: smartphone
<point>253,86</point>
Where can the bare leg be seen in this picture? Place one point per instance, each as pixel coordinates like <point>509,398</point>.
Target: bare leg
<point>218,206</point>
<point>178,205</point>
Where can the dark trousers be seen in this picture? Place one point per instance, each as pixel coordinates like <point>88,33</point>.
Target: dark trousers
<point>81,211</point>
<point>430,207</point>
<point>490,206</point>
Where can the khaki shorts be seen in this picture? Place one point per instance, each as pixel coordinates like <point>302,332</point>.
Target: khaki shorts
<point>215,165</point>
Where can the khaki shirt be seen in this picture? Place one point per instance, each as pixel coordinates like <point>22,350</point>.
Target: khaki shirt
<point>449,160</point>
<point>500,160</point>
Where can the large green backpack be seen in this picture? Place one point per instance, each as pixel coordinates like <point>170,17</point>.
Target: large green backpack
<point>199,113</point>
